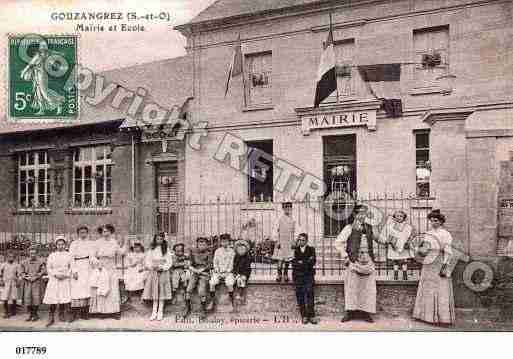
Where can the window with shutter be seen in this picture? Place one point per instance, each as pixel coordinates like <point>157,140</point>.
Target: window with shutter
<point>431,46</point>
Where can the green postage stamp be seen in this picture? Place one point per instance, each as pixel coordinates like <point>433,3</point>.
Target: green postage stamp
<point>42,77</point>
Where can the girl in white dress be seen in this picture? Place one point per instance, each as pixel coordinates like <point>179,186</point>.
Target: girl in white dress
<point>158,284</point>
<point>58,290</point>
<point>136,272</point>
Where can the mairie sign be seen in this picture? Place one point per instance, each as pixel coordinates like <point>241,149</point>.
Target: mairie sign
<point>338,119</point>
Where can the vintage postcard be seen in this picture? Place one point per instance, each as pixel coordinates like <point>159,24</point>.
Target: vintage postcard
<point>255,165</point>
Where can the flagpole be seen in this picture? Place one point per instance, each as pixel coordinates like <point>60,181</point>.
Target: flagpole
<point>331,30</point>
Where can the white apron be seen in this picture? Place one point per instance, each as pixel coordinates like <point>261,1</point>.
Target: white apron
<point>58,291</point>
<point>81,252</point>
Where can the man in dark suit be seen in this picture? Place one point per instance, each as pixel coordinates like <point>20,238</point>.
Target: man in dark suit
<point>303,274</point>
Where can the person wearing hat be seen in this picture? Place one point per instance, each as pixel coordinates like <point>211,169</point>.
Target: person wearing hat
<point>180,272</point>
<point>81,250</point>
<point>303,275</point>
<point>284,235</point>
<point>58,290</point>
<point>359,289</point>
<point>200,267</point>
<point>241,268</point>
<point>32,271</point>
<point>435,297</point>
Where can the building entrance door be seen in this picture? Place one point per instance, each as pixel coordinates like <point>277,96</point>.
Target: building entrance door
<point>167,197</point>
<point>339,157</point>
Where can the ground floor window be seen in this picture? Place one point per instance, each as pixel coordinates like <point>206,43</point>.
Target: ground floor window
<point>92,176</point>
<point>33,179</point>
<point>423,164</point>
<point>260,171</point>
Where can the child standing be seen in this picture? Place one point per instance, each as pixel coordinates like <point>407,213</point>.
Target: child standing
<point>222,269</point>
<point>284,232</point>
<point>9,275</point>
<point>158,285</point>
<point>136,272</point>
<point>32,271</point>
<point>180,266</point>
<point>201,264</point>
<point>395,234</point>
<point>58,290</point>
<point>303,274</point>
<point>241,268</point>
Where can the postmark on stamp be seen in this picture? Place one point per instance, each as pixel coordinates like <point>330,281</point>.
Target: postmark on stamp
<point>42,78</point>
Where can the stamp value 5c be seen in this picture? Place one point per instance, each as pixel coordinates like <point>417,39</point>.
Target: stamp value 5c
<point>42,80</point>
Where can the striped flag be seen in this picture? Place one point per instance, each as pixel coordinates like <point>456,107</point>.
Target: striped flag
<point>236,66</point>
<point>326,75</point>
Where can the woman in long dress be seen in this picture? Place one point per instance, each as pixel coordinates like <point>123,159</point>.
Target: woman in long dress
<point>435,298</point>
<point>107,300</point>
<point>356,242</point>
<point>82,251</point>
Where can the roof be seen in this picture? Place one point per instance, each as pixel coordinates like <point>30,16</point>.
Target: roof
<point>230,8</point>
<point>168,84</point>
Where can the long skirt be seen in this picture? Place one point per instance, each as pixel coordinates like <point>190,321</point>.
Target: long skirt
<point>435,298</point>
<point>80,288</point>
<point>157,286</point>
<point>58,291</point>
<point>32,292</point>
<point>360,292</point>
<point>111,302</point>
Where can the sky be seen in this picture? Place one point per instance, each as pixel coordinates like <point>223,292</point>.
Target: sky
<point>105,50</point>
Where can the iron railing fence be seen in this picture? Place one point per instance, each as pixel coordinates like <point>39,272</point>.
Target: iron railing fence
<point>252,221</point>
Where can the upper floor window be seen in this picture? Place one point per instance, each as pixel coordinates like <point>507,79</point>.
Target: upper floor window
<point>259,80</point>
<point>33,179</point>
<point>260,171</point>
<point>423,163</point>
<point>92,176</point>
<point>431,55</point>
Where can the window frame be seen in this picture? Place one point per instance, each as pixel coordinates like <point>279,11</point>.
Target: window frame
<point>419,70</point>
<point>36,167</point>
<point>106,163</point>
<point>249,177</point>
<point>417,165</point>
<point>248,64</point>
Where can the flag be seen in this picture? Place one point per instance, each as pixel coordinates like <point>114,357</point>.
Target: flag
<point>326,75</point>
<point>236,65</point>
<point>383,82</point>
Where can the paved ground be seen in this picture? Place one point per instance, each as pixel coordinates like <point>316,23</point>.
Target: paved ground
<point>134,320</point>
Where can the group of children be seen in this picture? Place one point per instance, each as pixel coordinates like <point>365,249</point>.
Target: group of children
<point>77,280</point>
<point>161,273</point>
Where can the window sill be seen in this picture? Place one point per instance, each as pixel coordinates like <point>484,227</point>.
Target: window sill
<point>30,211</point>
<point>94,211</point>
<point>430,91</point>
<point>258,206</point>
<point>257,108</point>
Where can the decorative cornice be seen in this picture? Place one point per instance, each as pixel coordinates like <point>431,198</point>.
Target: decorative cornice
<point>338,107</point>
<point>432,116</point>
